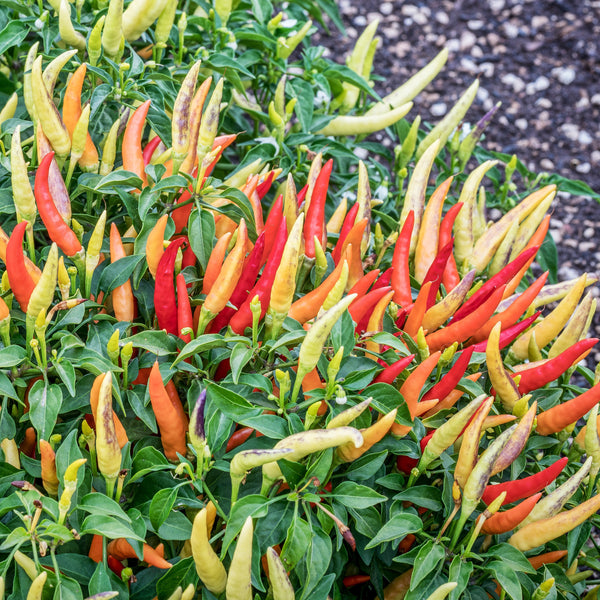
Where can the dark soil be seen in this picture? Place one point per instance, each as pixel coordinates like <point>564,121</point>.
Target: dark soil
<point>541,59</point>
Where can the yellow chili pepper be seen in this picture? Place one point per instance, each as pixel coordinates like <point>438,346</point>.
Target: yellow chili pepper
<point>502,382</point>
<point>70,485</point>
<point>8,110</point>
<point>92,256</point>
<point>139,15</point>
<point>336,221</point>
<point>109,149</point>
<point>575,329</point>
<point>11,452</point>
<point>107,444</point>
<point>208,565</point>
<point>239,584</point>
<point>22,193</point>
<point>95,41</point>
<point>347,416</point>
<point>67,32</point>
<point>278,578</point>
<point>37,587</point>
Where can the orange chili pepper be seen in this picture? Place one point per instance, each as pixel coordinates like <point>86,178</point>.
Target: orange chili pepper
<point>49,477</point>
<point>354,237</point>
<point>459,331</point>
<point>307,306</point>
<point>133,157</point>
<point>429,235</point>
<point>363,284</point>
<point>27,446</point>
<point>155,244</point>
<point>122,549</point>
<point>415,382</point>
<point>122,296</point>
<point>122,438</point>
<point>215,262</point>
<point>95,552</point>
<point>194,119</point>
<point>501,522</point>
<point>176,401</point>
<point>172,428</point>
<point>546,558</point>
<point>71,113</point>
<point>422,407</point>
<point>415,316</point>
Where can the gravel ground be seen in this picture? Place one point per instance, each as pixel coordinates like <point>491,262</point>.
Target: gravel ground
<point>540,59</point>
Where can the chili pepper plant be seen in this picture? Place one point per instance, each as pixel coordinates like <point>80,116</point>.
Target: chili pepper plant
<point>237,362</point>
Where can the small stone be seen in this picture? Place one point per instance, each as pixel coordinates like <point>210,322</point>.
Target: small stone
<point>543,103</point>
<point>442,18</point>
<point>496,5</point>
<point>476,52</point>
<point>583,103</point>
<point>468,65</point>
<point>511,31</point>
<point>438,109</point>
<point>420,18</point>
<point>511,80</point>
<point>541,83</point>
<point>475,24</point>
<point>539,21</point>
<point>586,246</point>
<point>571,131</point>
<point>487,68</point>
<point>453,46</point>
<point>410,10</point>
<point>547,164</point>
<point>566,75</point>
<point>482,94</point>
<point>595,99</point>
<point>595,156</point>
<point>386,8</point>
<point>584,138</point>
<point>588,232</point>
<point>583,168</point>
<point>361,153</point>
<point>467,40</point>
<point>521,124</point>
<point>360,21</point>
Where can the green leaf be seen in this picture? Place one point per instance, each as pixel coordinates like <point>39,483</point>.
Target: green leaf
<point>396,528</point>
<point>206,342</point>
<point>180,575</point>
<point>202,232</point>
<point>426,496</point>
<point>353,495</point>
<point>99,504</point>
<point>109,527</point>
<point>303,91</point>
<point>119,272</point>
<point>507,578</point>
<point>13,35</point>
<point>44,402</point>
<point>460,571</point>
<point>161,506</point>
<point>297,541</point>
<point>239,358</point>
<point>66,372</point>
<point>155,342</point>
<point>119,179</point>
<point>12,356</point>
<point>428,559</point>
<point>230,403</point>
<point>176,527</point>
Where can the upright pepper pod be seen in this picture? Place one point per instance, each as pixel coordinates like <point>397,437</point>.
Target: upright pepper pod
<point>139,15</point>
<point>49,477</point>
<point>208,565</point>
<point>165,302</point>
<point>122,295</point>
<point>70,486</point>
<point>133,158</point>
<point>281,585</point>
<point>239,584</point>
<point>22,193</point>
<point>68,33</point>
<point>208,128</point>
<point>21,282</point>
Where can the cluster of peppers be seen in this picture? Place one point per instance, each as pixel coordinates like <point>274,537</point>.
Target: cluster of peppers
<point>256,277</point>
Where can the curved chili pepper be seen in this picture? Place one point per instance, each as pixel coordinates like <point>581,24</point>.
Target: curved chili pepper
<point>451,379</point>
<point>412,387</point>
<point>523,488</point>
<point>238,438</point>
<point>509,334</point>
<point>122,295</point>
<point>58,230</point>
<point>558,417</point>
<point>352,580</point>
<point>21,282</point>
<point>401,272</point>
<point>450,278</point>
<point>347,225</point>
<point>150,148</point>
<point>502,522</point>
<point>133,157</point>
<point>501,278</point>
<point>436,270</point>
<point>120,432</point>
<point>415,316</point>
<point>389,373</point>
<point>540,375</point>
<point>245,282</point>
<point>384,280</point>
<point>354,239</point>
<point>264,186</point>
<point>243,317</point>
<point>361,306</point>
<point>364,283</point>
<point>547,558</point>
<point>165,303</point>
<point>195,116</point>
<point>121,549</point>
<point>459,331</point>
<point>515,309</point>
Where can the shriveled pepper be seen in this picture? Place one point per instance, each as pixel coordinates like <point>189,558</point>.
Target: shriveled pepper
<point>107,444</point>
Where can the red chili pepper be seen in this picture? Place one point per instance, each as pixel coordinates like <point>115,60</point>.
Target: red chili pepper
<point>459,331</point>
<point>21,282</point>
<point>415,382</point>
<point>436,271</point>
<point>315,215</point>
<point>150,148</point>
<point>558,417</point>
<point>363,284</point>
<point>384,280</point>
<point>58,230</point>
<point>540,375</point>
<point>246,281</point>
<point>272,227</point>
<point>363,306</point>
<point>165,303</point>
<point>265,186</point>
<point>238,438</point>
<point>401,273</point>
<point>509,334</point>
<point>353,580</point>
<point>115,565</point>
<point>184,309</point>
<point>523,488</point>
<point>501,522</point>
<point>503,276</point>
<point>450,380</point>
<point>243,317</point>
<point>301,195</point>
<point>389,374</point>
<point>348,224</point>
<point>450,278</point>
